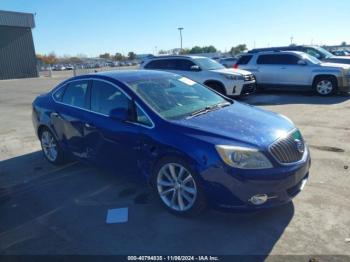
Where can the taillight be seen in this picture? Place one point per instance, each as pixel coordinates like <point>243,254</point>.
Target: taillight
<point>235,66</point>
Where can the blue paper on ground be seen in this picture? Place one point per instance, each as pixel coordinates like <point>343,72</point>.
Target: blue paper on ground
<point>117,215</point>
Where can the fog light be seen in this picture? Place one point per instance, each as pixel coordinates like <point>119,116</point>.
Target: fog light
<point>258,199</point>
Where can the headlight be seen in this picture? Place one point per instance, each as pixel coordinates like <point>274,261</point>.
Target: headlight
<point>233,77</point>
<point>243,157</point>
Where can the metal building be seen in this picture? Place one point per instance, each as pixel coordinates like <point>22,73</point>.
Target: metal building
<point>17,53</point>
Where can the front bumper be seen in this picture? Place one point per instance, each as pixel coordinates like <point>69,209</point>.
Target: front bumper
<point>249,88</point>
<point>344,84</point>
<point>232,188</point>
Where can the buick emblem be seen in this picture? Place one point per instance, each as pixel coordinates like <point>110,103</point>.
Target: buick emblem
<point>299,145</point>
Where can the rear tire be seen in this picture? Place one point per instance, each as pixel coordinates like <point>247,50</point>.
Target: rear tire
<point>325,85</point>
<point>51,148</point>
<point>178,188</point>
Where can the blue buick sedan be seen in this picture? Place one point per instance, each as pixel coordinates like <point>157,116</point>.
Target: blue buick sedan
<point>195,147</point>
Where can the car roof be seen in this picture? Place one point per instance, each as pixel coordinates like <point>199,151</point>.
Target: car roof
<point>277,48</point>
<point>277,52</point>
<point>133,75</point>
<point>174,56</point>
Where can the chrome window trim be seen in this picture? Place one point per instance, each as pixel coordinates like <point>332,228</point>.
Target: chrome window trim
<point>303,159</point>
<point>91,111</point>
<point>143,111</point>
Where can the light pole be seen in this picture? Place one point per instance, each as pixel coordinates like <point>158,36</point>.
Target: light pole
<point>180,29</point>
<point>291,40</point>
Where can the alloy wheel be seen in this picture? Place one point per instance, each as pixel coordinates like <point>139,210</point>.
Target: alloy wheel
<point>176,187</point>
<point>49,146</point>
<point>324,87</point>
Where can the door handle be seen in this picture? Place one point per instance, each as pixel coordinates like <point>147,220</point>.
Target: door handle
<point>89,126</point>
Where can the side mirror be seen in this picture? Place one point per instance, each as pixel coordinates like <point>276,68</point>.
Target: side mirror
<point>195,68</point>
<point>120,114</point>
<point>302,62</point>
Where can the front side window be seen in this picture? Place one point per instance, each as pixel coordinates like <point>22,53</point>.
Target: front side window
<point>75,94</point>
<point>175,97</point>
<point>183,64</point>
<point>106,97</point>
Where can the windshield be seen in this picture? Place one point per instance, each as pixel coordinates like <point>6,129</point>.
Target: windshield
<point>175,97</point>
<point>208,64</point>
<point>324,52</point>
<point>312,59</point>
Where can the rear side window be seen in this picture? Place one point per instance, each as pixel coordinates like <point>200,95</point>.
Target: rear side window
<point>106,97</point>
<point>243,60</point>
<point>58,95</point>
<point>282,59</point>
<point>75,94</point>
<point>158,64</point>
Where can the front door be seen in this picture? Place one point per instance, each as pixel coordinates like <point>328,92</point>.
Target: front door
<point>109,142</point>
<point>289,72</point>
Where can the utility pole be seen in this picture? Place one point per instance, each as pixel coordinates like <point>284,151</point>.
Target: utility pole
<point>291,40</point>
<point>180,29</point>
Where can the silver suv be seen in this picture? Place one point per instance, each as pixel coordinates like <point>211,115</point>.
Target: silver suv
<point>293,69</point>
<point>231,82</point>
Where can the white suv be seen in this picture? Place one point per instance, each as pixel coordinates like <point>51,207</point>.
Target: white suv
<point>231,82</point>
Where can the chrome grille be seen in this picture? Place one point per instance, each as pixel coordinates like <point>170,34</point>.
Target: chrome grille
<point>289,149</point>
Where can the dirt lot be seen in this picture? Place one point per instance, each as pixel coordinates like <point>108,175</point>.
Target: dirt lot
<point>62,210</point>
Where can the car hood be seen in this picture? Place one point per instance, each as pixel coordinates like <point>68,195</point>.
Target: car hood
<point>338,59</point>
<point>232,71</point>
<point>240,123</point>
<point>336,65</point>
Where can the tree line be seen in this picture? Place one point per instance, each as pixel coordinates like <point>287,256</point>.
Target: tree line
<point>118,56</point>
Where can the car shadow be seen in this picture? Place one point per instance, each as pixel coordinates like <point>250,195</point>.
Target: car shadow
<point>62,210</point>
<point>273,97</point>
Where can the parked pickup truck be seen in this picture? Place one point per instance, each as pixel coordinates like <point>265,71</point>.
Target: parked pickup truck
<point>293,69</point>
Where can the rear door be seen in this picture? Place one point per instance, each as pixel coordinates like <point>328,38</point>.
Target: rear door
<point>69,118</point>
<point>266,68</point>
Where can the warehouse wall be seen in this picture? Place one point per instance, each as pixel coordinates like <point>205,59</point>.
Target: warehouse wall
<point>17,54</point>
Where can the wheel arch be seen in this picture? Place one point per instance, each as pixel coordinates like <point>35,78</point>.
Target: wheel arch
<point>42,127</point>
<point>172,154</point>
<point>319,75</point>
<point>214,81</point>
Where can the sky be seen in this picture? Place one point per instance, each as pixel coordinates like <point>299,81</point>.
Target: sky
<point>92,27</point>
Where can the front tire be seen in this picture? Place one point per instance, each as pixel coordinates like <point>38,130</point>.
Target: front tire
<point>325,85</point>
<point>51,148</point>
<point>178,188</point>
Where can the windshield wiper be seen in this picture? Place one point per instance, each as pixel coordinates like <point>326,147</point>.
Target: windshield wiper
<point>208,109</point>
